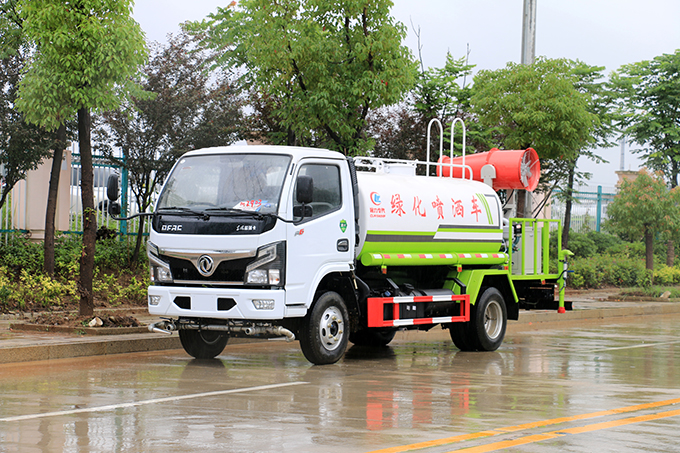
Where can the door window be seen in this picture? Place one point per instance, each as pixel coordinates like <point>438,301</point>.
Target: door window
<point>327,196</point>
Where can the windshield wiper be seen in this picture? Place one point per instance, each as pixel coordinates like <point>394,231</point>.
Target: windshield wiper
<point>184,211</point>
<point>256,214</point>
<point>234,211</point>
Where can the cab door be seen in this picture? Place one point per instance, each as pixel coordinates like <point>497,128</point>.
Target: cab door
<point>321,241</point>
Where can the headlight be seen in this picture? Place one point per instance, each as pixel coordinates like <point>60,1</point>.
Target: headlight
<point>268,267</point>
<point>159,269</point>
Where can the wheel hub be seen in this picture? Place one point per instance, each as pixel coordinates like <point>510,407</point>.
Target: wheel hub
<point>493,320</point>
<point>331,328</point>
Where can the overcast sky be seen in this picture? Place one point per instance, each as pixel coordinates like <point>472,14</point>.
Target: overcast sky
<point>598,32</point>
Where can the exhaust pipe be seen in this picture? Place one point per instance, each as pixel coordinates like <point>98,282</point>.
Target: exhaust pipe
<point>168,326</point>
<point>278,331</point>
<point>165,327</point>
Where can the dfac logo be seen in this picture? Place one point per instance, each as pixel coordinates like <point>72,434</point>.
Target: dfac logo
<point>375,198</point>
<point>169,228</point>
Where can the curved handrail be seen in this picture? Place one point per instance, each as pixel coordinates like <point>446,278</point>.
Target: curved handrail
<point>441,142</point>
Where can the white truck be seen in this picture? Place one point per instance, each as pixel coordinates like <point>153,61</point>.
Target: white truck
<point>271,241</point>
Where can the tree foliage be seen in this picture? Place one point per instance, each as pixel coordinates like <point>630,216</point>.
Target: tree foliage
<point>643,208</point>
<point>536,106</point>
<point>320,65</point>
<point>545,106</point>
<point>22,146</point>
<point>190,109</point>
<point>649,105</point>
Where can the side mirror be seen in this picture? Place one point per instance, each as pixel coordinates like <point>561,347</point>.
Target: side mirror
<point>298,211</point>
<point>305,189</point>
<point>114,209</point>
<point>112,188</point>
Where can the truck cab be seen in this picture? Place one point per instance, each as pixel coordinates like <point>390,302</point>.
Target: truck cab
<point>239,247</point>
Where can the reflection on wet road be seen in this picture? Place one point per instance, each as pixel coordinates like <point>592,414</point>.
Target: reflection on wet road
<point>594,387</point>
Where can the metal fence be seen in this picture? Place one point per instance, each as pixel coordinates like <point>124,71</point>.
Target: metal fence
<point>588,210</point>
<point>16,203</point>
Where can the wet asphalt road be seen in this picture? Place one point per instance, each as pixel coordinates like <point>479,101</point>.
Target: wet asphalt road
<point>599,386</point>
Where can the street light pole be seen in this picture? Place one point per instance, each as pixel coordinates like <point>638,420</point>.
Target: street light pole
<point>524,200</point>
<point>529,32</point>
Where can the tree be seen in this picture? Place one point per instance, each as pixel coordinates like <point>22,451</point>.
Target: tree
<point>589,81</point>
<point>324,65</point>
<point>643,208</point>
<point>538,106</point>
<point>649,108</point>
<point>87,50</point>
<point>191,109</point>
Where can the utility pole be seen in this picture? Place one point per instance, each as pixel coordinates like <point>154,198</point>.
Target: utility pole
<point>529,32</point>
<point>523,200</point>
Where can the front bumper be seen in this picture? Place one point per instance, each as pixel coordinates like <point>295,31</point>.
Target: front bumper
<point>216,303</point>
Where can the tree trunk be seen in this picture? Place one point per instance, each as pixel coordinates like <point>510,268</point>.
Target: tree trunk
<point>89,215</point>
<point>566,227</point>
<point>138,242</point>
<point>649,249</point>
<point>50,213</point>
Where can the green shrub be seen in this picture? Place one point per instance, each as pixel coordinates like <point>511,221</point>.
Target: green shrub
<point>23,283</point>
<point>19,253</point>
<point>664,275</point>
<point>604,242</point>
<point>607,270</point>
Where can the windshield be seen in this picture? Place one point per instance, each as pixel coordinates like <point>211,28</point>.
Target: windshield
<point>248,182</point>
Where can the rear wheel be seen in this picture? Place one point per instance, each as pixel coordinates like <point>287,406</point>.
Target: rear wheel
<point>203,344</point>
<point>325,330</point>
<point>374,338</point>
<point>488,320</point>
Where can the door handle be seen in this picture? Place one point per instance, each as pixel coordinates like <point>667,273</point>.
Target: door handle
<point>343,245</point>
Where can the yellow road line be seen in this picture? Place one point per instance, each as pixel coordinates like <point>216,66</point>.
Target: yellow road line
<point>578,430</point>
<point>524,426</point>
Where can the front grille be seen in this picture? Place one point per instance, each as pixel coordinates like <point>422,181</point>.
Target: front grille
<point>228,271</point>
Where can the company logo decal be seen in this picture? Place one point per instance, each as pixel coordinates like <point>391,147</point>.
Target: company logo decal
<point>375,198</point>
<point>343,225</point>
<point>205,265</point>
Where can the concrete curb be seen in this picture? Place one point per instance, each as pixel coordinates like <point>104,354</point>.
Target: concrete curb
<point>66,347</point>
<point>27,327</point>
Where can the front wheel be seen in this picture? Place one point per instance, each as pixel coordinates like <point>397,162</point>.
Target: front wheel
<point>203,344</point>
<point>488,320</point>
<point>325,330</point>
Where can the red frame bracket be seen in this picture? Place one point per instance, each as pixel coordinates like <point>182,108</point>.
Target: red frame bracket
<point>376,310</point>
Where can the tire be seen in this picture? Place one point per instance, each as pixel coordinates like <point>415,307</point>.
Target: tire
<point>325,330</point>
<point>203,344</point>
<point>461,336</point>
<point>372,338</point>
<point>488,320</point>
